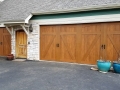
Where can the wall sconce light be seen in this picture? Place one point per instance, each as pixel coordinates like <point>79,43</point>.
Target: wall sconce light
<point>30,28</point>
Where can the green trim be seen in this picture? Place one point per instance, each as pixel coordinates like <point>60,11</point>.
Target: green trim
<point>76,14</point>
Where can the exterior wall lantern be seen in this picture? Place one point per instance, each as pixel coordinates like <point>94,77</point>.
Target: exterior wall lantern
<point>30,28</point>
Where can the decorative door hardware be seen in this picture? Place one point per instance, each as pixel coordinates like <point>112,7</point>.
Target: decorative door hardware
<point>103,46</point>
<point>1,43</point>
<point>57,45</point>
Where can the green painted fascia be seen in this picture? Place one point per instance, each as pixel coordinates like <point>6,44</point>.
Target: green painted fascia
<point>76,14</point>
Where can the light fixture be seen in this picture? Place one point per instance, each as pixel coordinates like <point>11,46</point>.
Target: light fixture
<point>30,28</point>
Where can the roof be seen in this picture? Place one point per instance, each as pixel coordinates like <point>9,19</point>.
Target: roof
<point>19,10</point>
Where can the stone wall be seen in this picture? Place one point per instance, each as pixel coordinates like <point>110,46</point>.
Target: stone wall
<point>33,47</point>
<point>13,43</point>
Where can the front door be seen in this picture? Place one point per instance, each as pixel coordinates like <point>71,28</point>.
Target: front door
<point>21,44</point>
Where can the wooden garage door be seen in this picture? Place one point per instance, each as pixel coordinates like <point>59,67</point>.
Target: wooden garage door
<point>58,43</point>
<point>112,41</point>
<point>71,43</point>
<point>5,42</point>
<point>84,43</point>
<point>91,39</point>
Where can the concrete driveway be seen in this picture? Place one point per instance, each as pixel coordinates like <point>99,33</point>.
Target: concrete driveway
<point>31,75</point>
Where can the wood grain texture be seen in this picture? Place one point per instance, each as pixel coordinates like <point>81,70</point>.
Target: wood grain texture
<point>21,44</point>
<point>68,43</point>
<point>48,42</point>
<point>112,40</point>
<point>91,41</point>
<point>5,42</point>
<point>80,43</point>
<point>58,43</point>
<point>1,41</point>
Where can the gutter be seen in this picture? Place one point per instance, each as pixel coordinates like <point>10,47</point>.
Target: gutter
<point>79,10</point>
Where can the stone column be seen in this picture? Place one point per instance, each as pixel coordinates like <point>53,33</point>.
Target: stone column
<point>33,46</point>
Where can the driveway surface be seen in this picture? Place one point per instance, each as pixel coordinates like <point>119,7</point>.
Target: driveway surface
<point>33,75</point>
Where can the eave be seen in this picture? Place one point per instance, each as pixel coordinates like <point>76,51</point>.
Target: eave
<point>18,21</point>
<point>79,10</point>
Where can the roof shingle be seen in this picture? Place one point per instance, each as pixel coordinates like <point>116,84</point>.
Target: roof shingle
<point>19,10</point>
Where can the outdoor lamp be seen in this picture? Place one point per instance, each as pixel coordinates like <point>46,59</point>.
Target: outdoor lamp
<point>30,28</point>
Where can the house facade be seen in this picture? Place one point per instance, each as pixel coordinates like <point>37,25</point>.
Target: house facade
<point>64,33</point>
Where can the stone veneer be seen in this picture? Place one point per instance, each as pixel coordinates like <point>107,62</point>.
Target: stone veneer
<point>33,47</point>
<point>33,39</point>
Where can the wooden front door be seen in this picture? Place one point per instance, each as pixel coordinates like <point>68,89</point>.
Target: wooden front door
<point>5,42</point>
<point>21,44</point>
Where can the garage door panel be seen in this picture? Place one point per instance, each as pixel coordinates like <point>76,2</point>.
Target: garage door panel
<point>91,40</point>
<point>68,43</point>
<point>48,29</point>
<point>112,40</point>
<point>91,28</point>
<point>111,50</point>
<point>68,48</point>
<point>87,40</point>
<point>1,42</point>
<point>112,27</point>
<point>5,42</point>
<point>49,53</point>
<point>95,53</point>
<point>68,29</point>
<point>90,48</point>
<point>65,53</point>
<point>48,48</point>
<point>48,42</point>
<point>112,46</point>
<point>7,46</point>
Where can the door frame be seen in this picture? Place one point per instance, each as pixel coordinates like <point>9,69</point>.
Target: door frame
<point>16,44</point>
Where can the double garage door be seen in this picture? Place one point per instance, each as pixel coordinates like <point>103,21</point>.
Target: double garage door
<point>82,43</point>
<point>5,42</point>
